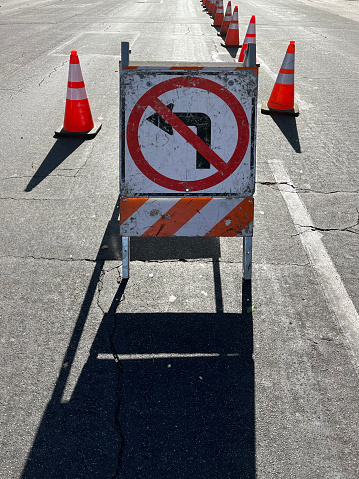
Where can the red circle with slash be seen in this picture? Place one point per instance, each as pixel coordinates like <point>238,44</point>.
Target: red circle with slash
<point>151,99</point>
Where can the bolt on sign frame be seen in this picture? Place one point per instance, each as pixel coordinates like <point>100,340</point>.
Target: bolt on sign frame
<point>187,150</point>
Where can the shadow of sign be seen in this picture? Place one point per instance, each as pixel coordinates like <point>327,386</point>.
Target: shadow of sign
<point>188,413</point>
<point>162,395</point>
<point>184,404</point>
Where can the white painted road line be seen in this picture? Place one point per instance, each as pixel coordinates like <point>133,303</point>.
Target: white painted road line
<point>337,296</point>
<point>72,41</point>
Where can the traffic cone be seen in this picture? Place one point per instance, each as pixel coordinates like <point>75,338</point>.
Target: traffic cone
<point>213,12</point>
<point>232,37</point>
<point>216,5</point>
<point>249,38</point>
<point>210,6</point>
<point>78,120</point>
<point>226,20</point>
<point>281,101</point>
<point>218,19</point>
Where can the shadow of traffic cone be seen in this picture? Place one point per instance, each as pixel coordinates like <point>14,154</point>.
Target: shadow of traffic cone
<point>232,37</point>
<point>281,101</point>
<point>78,120</point>
<point>218,19</point>
<point>226,20</point>
<point>249,38</point>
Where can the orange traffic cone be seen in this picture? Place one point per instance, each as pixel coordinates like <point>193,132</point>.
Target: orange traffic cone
<point>249,38</point>
<point>210,6</point>
<point>232,37</point>
<point>78,120</point>
<point>218,19</point>
<point>226,20</point>
<point>216,5</point>
<point>281,101</point>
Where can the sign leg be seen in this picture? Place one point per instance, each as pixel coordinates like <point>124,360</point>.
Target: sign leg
<point>125,257</point>
<point>125,54</point>
<point>125,60</point>
<point>247,257</point>
<point>250,56</point>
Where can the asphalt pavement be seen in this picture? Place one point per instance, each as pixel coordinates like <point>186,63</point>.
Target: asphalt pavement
<point>182,371</point>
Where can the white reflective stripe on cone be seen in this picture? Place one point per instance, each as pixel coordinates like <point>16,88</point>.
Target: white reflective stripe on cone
<point>285,78</point>
<point>75,74</point>
<point>288,62</point>
<point>76,94</point>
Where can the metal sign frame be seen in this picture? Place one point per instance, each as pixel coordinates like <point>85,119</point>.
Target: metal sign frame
<point>163,120</point>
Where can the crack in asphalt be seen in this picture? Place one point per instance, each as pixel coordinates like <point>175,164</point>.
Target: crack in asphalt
<point>335,192</point>
<point>46,258</point>
<point>119,395</point>
<point>119,297</point>
<point>275,183</point>
<point>111,314</point>
<point>80,168</point>
<point>305,190</point>
<point>100,284</point>
<point>53,71</point>
<point>13,90</point>
<point>15,177</point>
<point>31,176</point>
<point>174,261</point>
<point>5,198</point>
<point>347,229</point>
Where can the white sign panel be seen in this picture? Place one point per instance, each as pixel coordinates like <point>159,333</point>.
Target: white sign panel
<point>188,131</point>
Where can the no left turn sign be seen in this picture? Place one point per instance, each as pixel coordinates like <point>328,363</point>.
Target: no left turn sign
<point>186,131</point>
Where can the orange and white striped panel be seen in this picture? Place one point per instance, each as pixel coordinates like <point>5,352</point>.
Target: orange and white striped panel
<point>186,216</point>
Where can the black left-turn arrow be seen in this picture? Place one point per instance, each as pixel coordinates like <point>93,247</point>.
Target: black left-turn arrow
<point>200,120</point>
